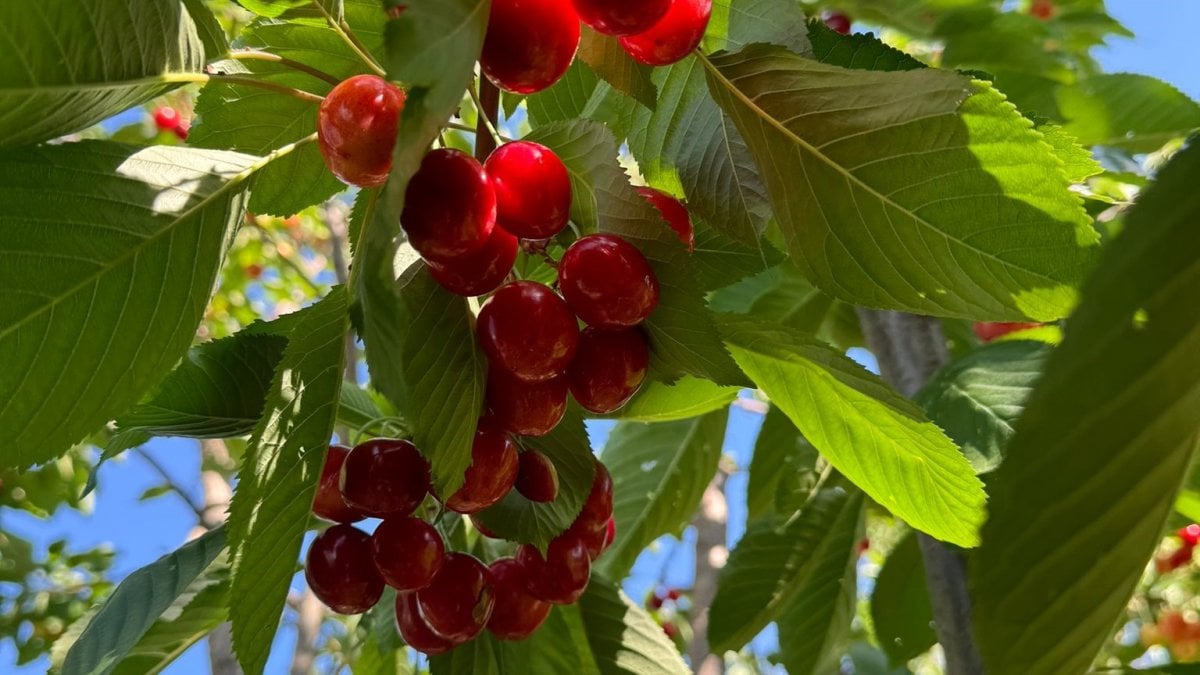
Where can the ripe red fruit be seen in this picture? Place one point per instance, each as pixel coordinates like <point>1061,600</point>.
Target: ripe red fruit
<point>493,469</point>
<point>673,37</point>
<point>537,479</point>
<point>655,601</point>
<point>608,369</point>
<point>607,282</point>
<point>1042,10</point>
<point>416,633</point>
<point>533,189</point>
<point>561,576</point>
<point>529,43</point>
<point>518,614</point>
<point>673,594</point>
<point>621,17</point>
<point>167,118</point>
<point>527,329</point>
<point>838,22</point>
<point>339,570</point>
<point>526,408</point>
<point>408,552</point>
<point>610,534</point>
<point>329,503</point>
<point>598,507</point>
<point>991,330</point>
<point>480,272</point>
<point>356,129</point>
<point>385,478</point>
<point>1190,534</point>
<point>674,212</point>
<point>593,540</point>
<point>671,630</point>
<point>459,602</point>
<point>449,207</point>
<point>483,528</point>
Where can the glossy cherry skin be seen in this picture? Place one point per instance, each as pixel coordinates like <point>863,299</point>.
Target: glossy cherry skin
<point>518,614</point>
<point>621,17</point>
<point>356,129</point>
<point>413,629</point>
<point>408,552</point>
<point>526,329</point>
<point>329,503</point>
<point>610,534</point>
<point>385,478</point>
<point>449,206</point>
<point>529,43</point>
<point>480,272</point>
<point>339,570</point>
<point>533,189</point>
<point>673,37</point>
<point>493,470</point>
<point>987,331</point>
<point>608,369</point>
<point>598,507</point>
<point>674,212</point>
<point>593,540</point>
<point>167,118</point>
<point>459,602</point>
<point>607,282</point>
<point>562,576</point>
<point>526,408</point>
<point>839,22</point>
<point>537,479</point>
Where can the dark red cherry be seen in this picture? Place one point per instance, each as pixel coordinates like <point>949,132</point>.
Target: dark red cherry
<point>593,540</point>
<point>526,408</point>
<point>621,17</point>
<point>408,552</point>
<point>340,572</point>
<point>537,479</point>
<point>987,331</point>
<point>356,129</point>
<point>839,22</point>
<point>518,614</point>
<point>493,469</point>
<point>449,207</point>
<point>608,369</point>
<point>329,503</point>
<point>610,534</point>
<point>598,507</point>
<point>459,602</point>
<point>483,529</point>
<point>526,329</point>
<point>607,282</point>
<point>529,43</point>
<point>533,189</point>
<point>673,37</point>
<point>561,576</point>
<point>413,629</point>
<point>480,272</point>
<point>674,212</point>
<point>385,478</point>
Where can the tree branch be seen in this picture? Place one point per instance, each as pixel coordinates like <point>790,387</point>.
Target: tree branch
<point>170,482</point>
<point>710,523</point>
<point>488,104</point>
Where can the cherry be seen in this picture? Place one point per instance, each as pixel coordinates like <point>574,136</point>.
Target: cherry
<point>671,630</point>
<point>1190,534</point>
<point>518,614</point>
<point>526,408</point>
<point>329,503</point>
<point>408,552</point>
<point>483,529</point>
<point>608,369</point>
<point>385,478</point>
<point>598,507</point>
<point>533,189</point>
<point>480,272</point>
<point>339,570</point>
<point>529,44</point>
<point>527,330</point>
<point>838,22</point>
<point>493,469</point>
<point>593,540</point>
<point>610,534</point>
<point>674,212</point>
<point>167,118</point>
<point>621,17</point>
<point>607,282</point>
<point>449,206</point>
<point>673,37</point>
<point>562,575</point>
<point>416,633</point>
<point>991,330</point>
<point>1043,10</point>
<point>356,129</point>
<point>459,602</point>
<point>537,479</point>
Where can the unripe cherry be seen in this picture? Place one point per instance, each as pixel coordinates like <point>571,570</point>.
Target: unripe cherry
<point>533,189</point>
<point>673,37</point>
<point>339,570</point>
<point>529,43</point>
<point>608,369</point>
<point>356,129</point>
<point>449,206</point>
<point>607,282</point>
<point>526,329</point>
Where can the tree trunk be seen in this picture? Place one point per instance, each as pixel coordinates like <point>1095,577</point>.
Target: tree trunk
<point>711,554</point>
<point>217,495</point>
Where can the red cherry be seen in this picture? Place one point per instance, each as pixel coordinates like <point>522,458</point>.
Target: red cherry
<point>655,602</point>
<point>598,507</point>
<point>533,189</point>
<point>527,330</point>
<point>607,282</point>
<point>838,22</point>
<point>356,129</point>
<point>593,540</point>
<point>608,369</point>
<point>529,43</point>
<point>621,17</point>
<point>561,576</point>
<point>416,633</point>
<point>610,534</point>
<point>480,272</point>
<point>339,570</point>
<point>671,630</point>
<point>181,131</point>
<point>483,528</point>
<point>673,594</point>
<point>493,469</point>
<point>537,479</point>
<point>449,207</point>
<point>991,330</point>
<point>526,408</point>
<point>385,478</point>
<point>518,614</point>
<point>459,602</point>
<point>1043,10</point>
<point>862,546</point>
<point>1190,534</point>
<point>167,118</point>
<point>673,37</point>
<point>674,212</point>
<point>329,503</point>
<point>408,552</point>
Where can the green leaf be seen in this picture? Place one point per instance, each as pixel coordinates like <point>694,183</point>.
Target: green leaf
<point>900,606</point>
<point>607,59</point>
<point>208,29</point>
<point>276,485</point>
<point>1077,161</point>
<point>659,473</point>
<point>382,644</point>
<point>783,469</point>
<point>1102,448</point>
<point>622,636</point>
<point>926,192</point>
<point>685,398</point>
<point>721,261</point>
<point>737,23</point>
<point>1136,113</point>
<point>859,51</point>
<point>117,57</point>
<point>867,431</point>
<point>116,293</point>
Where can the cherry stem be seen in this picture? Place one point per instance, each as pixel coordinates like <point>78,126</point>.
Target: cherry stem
<point>205,78</point>
<point>255,55</point>
<point>487,108</point>
<point>344,31</point>
<point>471,130</point>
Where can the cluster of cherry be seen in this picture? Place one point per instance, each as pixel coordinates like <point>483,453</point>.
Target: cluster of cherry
<point>1189,538</point>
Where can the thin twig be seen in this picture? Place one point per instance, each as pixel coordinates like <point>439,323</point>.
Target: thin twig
<point>205,78</point>
<point>171,484</point>
<point>255,55</point>
<point>343,30</point>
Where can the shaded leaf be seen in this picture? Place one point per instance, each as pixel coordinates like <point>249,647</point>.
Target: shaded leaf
<point>607,59</point>
<point>900,608</point>
<point>1136,113</point>
<point>782,469</point>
